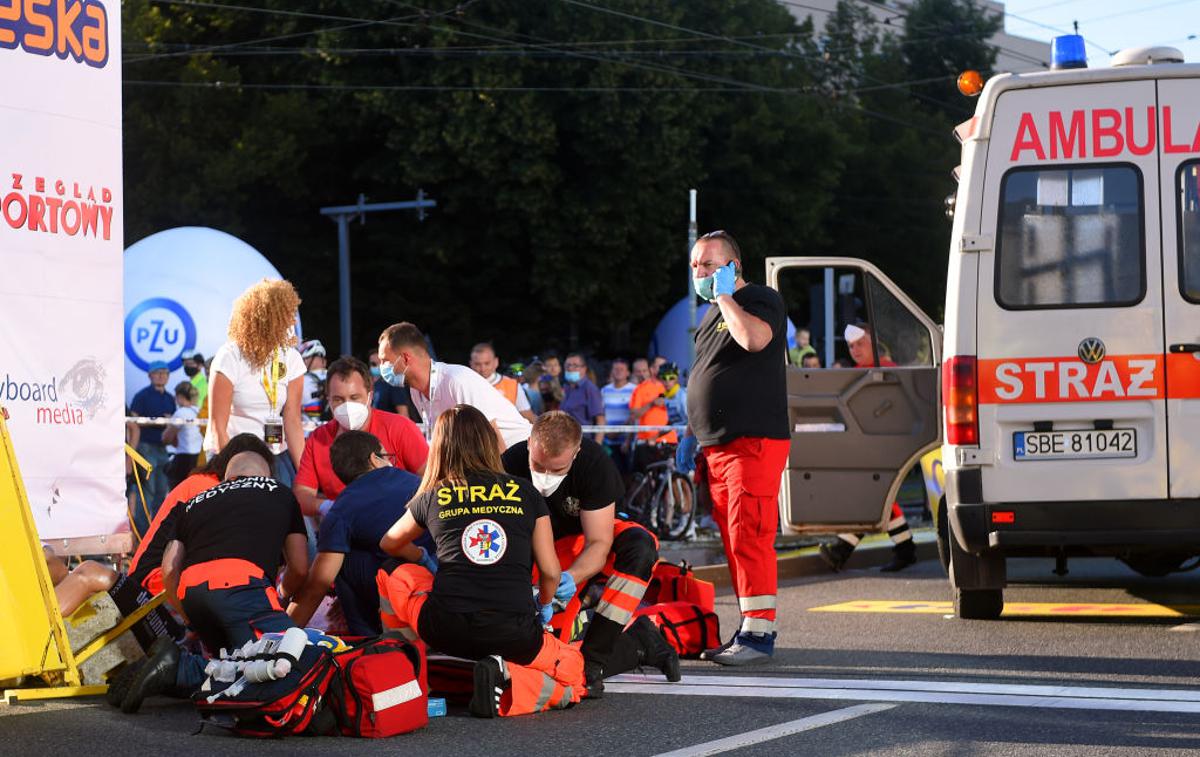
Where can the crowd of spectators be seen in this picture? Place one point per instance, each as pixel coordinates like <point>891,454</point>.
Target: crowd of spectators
<point>618,392</point>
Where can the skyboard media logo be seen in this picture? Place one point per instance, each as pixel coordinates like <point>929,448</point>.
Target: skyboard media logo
<point>70,401</point>
<point>75,29</point>
<point>58,207</point>
<point>159,329</point>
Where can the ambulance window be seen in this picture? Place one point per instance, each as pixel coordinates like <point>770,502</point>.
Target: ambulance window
<point>902,338</point>
<point>1189,230</point>
<point>1070,238</point>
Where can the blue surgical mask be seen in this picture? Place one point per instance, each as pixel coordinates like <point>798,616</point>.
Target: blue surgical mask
<point>387,372</point>
<point>704,288</point>
<point>375,371</point>
<point>573,377</point>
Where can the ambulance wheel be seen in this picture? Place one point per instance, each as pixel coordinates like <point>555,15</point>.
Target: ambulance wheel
<point>978,604</point>
<point>943,536</point>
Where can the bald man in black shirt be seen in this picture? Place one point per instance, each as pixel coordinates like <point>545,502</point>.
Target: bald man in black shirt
<point>219,572</point>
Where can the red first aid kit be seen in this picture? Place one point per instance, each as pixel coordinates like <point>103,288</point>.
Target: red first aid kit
<point>382,689</point>
<point>687,627</point>
<point>677,583</point>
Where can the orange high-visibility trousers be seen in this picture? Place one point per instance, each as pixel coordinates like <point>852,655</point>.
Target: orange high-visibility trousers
<point>553,680</point>
<point>743,479</point>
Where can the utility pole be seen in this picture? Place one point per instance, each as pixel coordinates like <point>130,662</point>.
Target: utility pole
<point>691,289</point>
<point>342,215</point>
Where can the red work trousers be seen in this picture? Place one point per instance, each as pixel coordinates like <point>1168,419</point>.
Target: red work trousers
<point>553,680</point>
<point>743,480</point>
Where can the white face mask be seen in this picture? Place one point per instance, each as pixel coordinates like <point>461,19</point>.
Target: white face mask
<point>546,483</point>
<point>351,416</point>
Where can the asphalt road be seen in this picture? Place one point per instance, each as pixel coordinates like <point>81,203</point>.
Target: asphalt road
<point>1077,681</point>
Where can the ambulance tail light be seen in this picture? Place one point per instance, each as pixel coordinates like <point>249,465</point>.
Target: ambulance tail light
<point>960,396</point>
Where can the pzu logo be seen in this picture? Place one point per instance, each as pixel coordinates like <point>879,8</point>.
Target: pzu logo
<point>158,329</point>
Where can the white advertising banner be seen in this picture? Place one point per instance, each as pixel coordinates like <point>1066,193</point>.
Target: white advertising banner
<point>61,204</point>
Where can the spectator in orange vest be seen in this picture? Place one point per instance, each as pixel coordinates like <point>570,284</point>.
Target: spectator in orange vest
<point>648,407</point>
<point>485,362</point>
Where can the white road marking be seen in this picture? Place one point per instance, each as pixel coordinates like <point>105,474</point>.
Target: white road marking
<point>770,733</point>
<point>935,692</point>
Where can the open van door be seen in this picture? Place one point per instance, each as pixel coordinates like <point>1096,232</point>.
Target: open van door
<point>856,431</point>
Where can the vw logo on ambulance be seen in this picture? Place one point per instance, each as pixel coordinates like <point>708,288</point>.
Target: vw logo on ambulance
<point>159,329</point>
<point>1091,350</point>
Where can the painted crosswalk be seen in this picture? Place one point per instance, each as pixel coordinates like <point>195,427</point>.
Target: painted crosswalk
<point>1021,609</point>
<point>917,691</point>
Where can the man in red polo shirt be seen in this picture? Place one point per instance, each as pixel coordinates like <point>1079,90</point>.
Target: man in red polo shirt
<point>349,394</point>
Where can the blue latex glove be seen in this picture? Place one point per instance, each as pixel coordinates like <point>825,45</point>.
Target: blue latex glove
<point>428,561</point>
<point>725,280</point>
<point>323,508</point>
<point>685,454</point>
<point>566,588</point>
<point>546,612</point>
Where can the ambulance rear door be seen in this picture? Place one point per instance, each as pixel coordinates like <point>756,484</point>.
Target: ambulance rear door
<point>855,431</point>
<point>1070,300</point>
<point>1179,108</point>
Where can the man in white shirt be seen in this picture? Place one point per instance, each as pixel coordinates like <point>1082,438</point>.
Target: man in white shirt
<point>485,362</point>
<point>436,387</point>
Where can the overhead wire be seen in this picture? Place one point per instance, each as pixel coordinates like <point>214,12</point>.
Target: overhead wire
<point>357,23</point>
<point>549,47</point>
<point>709,35</point>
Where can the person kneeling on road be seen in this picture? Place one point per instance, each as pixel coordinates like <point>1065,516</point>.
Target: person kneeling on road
<point>582,485</point>
<point>489,528</point>
<point>219,571</point>
<point>375,496</point>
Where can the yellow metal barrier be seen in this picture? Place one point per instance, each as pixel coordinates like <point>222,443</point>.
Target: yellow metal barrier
<point>35,643</point>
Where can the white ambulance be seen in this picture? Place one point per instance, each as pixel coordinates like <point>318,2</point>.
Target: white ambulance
<point>1070,360</point>
<point>1071,369</point>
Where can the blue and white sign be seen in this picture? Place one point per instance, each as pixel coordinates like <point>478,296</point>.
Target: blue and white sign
<point>180,285</point>
<point>159,329</point>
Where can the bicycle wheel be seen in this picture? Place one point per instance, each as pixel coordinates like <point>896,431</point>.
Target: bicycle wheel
<point>639,502</point>
<point>676,509</point>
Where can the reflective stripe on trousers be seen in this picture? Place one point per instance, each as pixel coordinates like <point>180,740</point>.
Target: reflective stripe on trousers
<point>554,680</point>
<point>402,594</point>
<point>621,597</point>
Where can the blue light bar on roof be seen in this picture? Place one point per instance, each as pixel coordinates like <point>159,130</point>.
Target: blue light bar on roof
<point>1067,51</point>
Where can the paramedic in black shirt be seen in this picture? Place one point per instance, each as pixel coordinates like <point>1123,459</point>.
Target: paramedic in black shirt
<point>219,573</point>
<point>582,486</point>
<point>737,409</point>
<point>490,529</point>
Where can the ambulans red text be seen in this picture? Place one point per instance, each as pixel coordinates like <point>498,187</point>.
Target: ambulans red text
<point>1103,133</point>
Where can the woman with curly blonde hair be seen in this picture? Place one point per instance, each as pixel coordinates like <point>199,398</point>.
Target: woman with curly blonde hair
<point>257,377</point>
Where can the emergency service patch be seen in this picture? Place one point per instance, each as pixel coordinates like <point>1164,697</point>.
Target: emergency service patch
<point>484,542</point>
<point>570,506</point>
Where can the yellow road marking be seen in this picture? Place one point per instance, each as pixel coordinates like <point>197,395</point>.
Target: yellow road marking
<point>1048,609</point>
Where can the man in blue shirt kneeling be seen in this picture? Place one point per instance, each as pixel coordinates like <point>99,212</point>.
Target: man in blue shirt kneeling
<point>348,554</point>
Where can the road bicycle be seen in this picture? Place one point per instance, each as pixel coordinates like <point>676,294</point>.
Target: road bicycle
<point>663,500</point>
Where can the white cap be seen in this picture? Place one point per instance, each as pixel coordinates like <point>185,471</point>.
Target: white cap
<point>853,333</point>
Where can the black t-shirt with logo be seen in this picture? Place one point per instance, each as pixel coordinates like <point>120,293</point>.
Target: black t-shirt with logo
<point>245,518</point>
<point>593,483</point>
<point>732,392</point>
<point>483,530</point>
